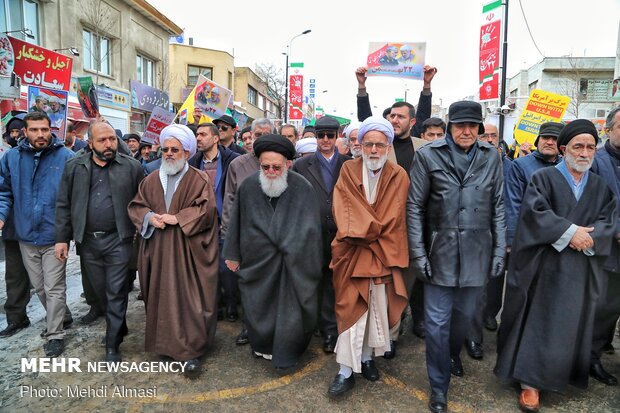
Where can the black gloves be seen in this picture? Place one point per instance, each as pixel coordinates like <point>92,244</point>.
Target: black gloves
<point>497,267</point>
<point>422,268</point>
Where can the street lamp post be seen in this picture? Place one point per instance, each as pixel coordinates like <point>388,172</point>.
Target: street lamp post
<point>288,52</point>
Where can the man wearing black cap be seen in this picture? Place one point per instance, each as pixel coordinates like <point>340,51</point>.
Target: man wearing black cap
<point>455,222</point>
<point>227,127</point>
<point>322,170</point>
<point>274,244</point>
<point>133,143</point>
<point>565,230</point>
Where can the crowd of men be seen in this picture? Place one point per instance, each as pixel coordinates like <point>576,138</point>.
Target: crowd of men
<point>330,231</point>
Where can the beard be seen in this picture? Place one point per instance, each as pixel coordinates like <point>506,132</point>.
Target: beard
<point>273,187</point>
<point>572,162</point>
<point>172,166</point>
<point>105,156</point>
<point>374,164</point>
<point>356,152</point>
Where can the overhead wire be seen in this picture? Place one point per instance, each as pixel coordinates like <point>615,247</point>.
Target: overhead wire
<point>527,25</point>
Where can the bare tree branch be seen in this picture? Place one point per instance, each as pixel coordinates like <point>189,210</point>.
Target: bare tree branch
<point>274,78</point>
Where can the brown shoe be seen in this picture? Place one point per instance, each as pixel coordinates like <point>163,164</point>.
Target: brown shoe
<point>529,400</point>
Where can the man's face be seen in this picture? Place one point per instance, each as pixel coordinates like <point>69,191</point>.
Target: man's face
<point>490,135</point>
<point>55,106</point>
<point>614,132</point>
<point>309,135</point>
<point>173,150</point>
<point>272,164</point>
<point>259,131</point>
<point>248,141</point>
<point>375,148</point>
<point>227,132</point>
<point>343,146</point>
<point>40,104</point>
<point>401,121</point>
<point>289,133</point>
<point>103,141</point>
<point>464,134</point>
<point>39,133</point>
<point>133,145</point>
<point>548,146</point>
<point>356,147</point>
<point>391,53</point>
<point>405,54</point>
<point>579,153</point>
<point>326,141</point>
<point>206,139</point>
<point>433,133</point>
<point>14,133</point>
<point>145,152</point>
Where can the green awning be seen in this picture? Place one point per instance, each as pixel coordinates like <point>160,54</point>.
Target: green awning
<point>341,121</point>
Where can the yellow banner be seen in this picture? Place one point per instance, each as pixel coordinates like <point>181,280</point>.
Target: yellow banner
<point>541,107</point>
<point>186,111</point>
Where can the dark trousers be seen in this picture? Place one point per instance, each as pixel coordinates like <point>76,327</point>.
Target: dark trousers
<point>475,332</point>
<point>416,301</point>
<point>607,315</point>
<point>89,291</point>
<point>107,261</point>
<point>448,313</point>
<point>17,283</point>
<point>227,283</point>
<point>327,297</point>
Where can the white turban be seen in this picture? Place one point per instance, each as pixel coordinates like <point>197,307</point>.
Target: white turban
<point>306,145</point>
<point>376,123</point>
<point>350,128</point>
<point>183,134</point>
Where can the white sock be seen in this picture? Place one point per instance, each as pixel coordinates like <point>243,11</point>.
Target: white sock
<point>346,371</point>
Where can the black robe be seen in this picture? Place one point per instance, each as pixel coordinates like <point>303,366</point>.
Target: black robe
<point>280,265</point>
<point>545,334</point>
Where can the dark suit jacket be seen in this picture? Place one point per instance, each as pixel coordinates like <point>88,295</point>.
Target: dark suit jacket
<point>310,168</point>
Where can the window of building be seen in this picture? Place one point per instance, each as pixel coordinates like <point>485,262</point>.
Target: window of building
<point>96,52</point>
<point>513,93</point>
<point>194,71</point>
<point>145,70</point>
<point>261,101</point>
<point>20,14</point>
<point>252,96</point>
<point>230,80</point>
<point>532,86</point>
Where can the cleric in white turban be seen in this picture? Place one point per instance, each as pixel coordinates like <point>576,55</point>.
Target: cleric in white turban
<point>306,146</point>
<point>183,134</point>
<point>376,123</point>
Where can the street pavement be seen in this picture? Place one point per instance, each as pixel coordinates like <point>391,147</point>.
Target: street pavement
<point>234,381</point>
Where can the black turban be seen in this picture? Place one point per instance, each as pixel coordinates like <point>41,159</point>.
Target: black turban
<point>274,143</point>
<point>577,127</point>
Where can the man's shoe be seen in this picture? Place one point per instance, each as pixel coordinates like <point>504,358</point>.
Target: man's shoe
<point>490,323</point>
<point>13,328</point>
<point>242,338</point>
<point>456,367</point>
<point>528,400</point>
<point>369,370</point>
<point>598,372</point>
<point>67,323</point>
<point>418,329</point>
<point>329,344</point>
<point>54,347</point>
<point>231,313</point>
<point>609,349</point>
<point>140,296</point>
<point>113,356</point>
<point>90,317</point>
<point>192,369</point>
<point>388,355</point>
<point>474,350</point>
<point>438,403</point>
<point>341,385</point>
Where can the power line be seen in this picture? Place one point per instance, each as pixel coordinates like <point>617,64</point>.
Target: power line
<point>528,29</point>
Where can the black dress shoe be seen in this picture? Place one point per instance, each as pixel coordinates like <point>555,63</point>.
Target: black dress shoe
<point>388,355</point>
<point>242,338</point>
<point>474,350</point>
<point>456,367</point>
<point>90,317</point>
<point>13,328</point>
<point>231,313</point>
<point>419,330</point>
<point>598,372</point>
<point>329,344</point>
<point>112,355</point>
<point>369,370</point>
<point>438,403</point>
<point>341,385</point>
<point>192,369</point>
<point>490,323</point>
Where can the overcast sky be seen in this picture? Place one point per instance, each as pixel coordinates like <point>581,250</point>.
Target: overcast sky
<point>259,32</point>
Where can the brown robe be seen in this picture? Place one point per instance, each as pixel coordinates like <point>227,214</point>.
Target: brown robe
<point>178,266</point>
<point>371,242</point>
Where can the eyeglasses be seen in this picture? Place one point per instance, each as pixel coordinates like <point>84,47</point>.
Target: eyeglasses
<point>379,145</point>
<point>329,135</point>
<point>173,150</point>
<point>276,168</point>
<point>223,128</point>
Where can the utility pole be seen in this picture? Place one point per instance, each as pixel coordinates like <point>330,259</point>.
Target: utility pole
<point>502,96</point>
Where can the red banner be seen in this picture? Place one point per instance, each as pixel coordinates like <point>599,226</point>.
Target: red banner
<point>38,66</point>
<point>490,34</point>
<point>296,97</point>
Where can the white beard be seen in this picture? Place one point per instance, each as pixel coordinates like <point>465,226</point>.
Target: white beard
<point>172,167</point>
<point>356,152</point>
<point>275,187</point>
<point>572,162</point>
<point>374,164</point>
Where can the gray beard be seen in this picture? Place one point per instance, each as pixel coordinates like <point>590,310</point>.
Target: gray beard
<point>275,187</point>
<point>172,167</point>
<point>572,162</point>
<point>356,152</point>
<point>374,164</point>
